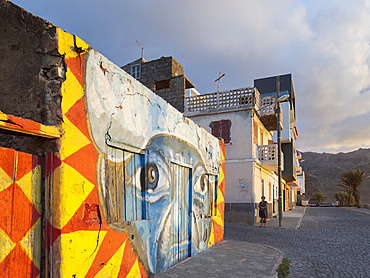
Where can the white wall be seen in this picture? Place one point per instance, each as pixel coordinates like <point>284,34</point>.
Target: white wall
<point>240,146</point>
<point>239,182</point>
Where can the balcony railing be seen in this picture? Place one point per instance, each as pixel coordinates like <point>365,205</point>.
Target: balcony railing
<point>268,112</point>
<point>239,98</point>
<point>268,157</point>
<point>245,98</point>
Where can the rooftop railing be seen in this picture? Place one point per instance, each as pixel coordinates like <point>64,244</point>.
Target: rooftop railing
<point>244,98</point>
<point>239,98</point>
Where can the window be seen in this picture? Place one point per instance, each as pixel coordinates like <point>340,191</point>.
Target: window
<point>136,71</point>
<point>160,85</point>
<point>124,193</point>
<point>221,129</point>
<point>270,188</point>
<point>263,187</point>
<point>255,132</point>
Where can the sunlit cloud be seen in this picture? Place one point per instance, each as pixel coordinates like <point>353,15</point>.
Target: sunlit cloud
<point>324,44</point>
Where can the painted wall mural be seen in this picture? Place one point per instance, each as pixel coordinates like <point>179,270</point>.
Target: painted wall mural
<point>168,196</point>
<point>135,187</point>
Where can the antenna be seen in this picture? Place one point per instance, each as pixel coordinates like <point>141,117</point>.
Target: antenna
<point>219,80</point>
<point>142,49</point>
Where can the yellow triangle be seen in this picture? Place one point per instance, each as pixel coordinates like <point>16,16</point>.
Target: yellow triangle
<point>31,186</point>
<point>112,268</point>
<point>6,245</point>
<point>220,197</point>
<point>211,240</point>
<point>66,44</point>
<point>69,194</point>
<point>72,140</point>
<point>135,270</point>
<point>218,219</point>
<point>78,251</point>
<point>31,243</point>
<point>221,176</point>
<point>71,91</point>
<point>5,180</point>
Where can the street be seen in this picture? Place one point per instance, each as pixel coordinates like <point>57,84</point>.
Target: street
<point>331,242</point>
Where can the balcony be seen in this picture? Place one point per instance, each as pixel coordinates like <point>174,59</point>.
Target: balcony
<point>232,100</point>
<point>267,155</point>
<point>268,113</point>
<point>244,98</point>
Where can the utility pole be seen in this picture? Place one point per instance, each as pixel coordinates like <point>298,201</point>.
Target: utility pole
<point>142,49</point>
<point>279,150</point>
<point>219,80</point>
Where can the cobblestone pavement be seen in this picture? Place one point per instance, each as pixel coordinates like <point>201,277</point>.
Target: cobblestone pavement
<point>331,242</point>
<point>229,258</point>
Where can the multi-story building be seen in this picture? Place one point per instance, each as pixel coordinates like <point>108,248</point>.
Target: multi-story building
<point>245,120</point>
<point>301,184</point>
<point>268,87</point>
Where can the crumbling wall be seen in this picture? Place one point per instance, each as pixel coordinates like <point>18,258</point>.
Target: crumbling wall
<point>31,74</point>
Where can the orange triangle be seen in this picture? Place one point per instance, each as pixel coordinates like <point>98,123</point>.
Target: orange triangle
<point>7,161</point>
<point>110,245</point>
<point>128,260</point>
<point>18,264</point>
<point>77,66</point>
<point>84,162</point>
<point>77,115</point>
<point>218,232</point>
<point>24,165</point>
<point>18,214</point>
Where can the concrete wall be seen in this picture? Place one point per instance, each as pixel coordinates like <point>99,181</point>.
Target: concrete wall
<point>103,112</point>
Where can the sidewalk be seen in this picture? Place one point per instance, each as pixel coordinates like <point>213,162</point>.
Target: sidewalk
<point>237,258</point>
<point>229,259</point>
<point>360,210</point>
<point>291,219</point>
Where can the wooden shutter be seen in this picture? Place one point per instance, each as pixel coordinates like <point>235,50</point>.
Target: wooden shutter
<point>216,129</point>
<point>225,130</point>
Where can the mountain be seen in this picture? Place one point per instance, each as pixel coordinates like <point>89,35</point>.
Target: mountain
<point>322,172</point>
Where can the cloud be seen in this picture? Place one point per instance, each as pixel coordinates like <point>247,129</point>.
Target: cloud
<point>324,44</point>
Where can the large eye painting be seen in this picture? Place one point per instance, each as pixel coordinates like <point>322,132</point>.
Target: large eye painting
<point>151,192</point>
<point>150,176</point>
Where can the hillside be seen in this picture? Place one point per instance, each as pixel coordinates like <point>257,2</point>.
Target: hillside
<point>323,169</point>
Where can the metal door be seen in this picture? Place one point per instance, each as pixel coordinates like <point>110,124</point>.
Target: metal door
<point>180,213</point>
<point>20,214</point>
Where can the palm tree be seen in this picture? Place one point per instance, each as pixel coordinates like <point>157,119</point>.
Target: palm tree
<point>344,198</point>
<point>351,181</point>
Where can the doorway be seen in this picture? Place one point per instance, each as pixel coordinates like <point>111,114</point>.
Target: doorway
<point>181,208</point>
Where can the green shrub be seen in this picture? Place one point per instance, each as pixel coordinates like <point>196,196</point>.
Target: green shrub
<point>283,269</point>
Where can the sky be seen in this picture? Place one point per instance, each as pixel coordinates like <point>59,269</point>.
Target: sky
<point>325,45</point>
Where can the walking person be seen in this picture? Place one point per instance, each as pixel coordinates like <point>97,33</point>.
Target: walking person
<point>263,211</point>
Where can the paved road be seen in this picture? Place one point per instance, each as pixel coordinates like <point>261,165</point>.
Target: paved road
<point>331,242</point>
